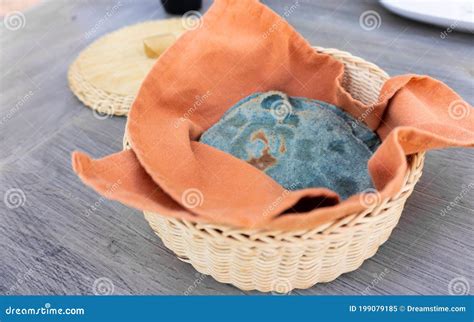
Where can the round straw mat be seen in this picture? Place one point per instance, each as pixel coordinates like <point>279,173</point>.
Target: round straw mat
<point>107,75</point>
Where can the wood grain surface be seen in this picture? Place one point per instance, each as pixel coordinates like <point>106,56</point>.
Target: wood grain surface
<point>51,244</point>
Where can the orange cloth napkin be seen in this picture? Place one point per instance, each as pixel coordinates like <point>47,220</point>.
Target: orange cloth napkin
<point>241,48</point>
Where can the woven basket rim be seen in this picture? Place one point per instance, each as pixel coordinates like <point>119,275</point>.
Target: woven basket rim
<point>259,237</point>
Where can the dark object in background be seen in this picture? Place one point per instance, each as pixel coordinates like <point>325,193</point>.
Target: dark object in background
<point>179,7</point>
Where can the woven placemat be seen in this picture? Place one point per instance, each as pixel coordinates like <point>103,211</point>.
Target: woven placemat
<point>107,75</point>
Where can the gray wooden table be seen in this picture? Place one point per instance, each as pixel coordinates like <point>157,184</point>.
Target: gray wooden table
<point>49,245</point>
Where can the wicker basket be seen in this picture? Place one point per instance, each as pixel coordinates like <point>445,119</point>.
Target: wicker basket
<point>281,261</point>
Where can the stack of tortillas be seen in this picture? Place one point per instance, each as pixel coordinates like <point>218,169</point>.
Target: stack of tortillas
<point>107,75</point>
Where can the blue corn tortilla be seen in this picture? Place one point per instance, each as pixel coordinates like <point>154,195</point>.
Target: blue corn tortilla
<point>299,142</point>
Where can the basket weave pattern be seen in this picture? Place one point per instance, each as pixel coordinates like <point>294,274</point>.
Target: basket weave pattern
<point>98,99</point>
<point>281,261</point>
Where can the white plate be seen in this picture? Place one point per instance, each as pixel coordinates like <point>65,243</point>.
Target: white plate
<point>454,14</point>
